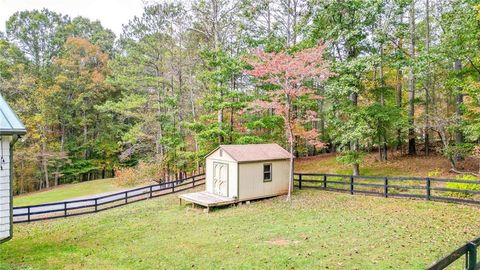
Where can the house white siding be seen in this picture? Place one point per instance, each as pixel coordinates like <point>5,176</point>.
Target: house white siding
<point>251,179</point>
<point>5,188</point>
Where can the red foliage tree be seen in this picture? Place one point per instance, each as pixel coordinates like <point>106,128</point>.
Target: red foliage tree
<point>288,72</point>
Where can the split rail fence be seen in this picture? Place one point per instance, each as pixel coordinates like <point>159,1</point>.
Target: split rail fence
<point>92,205</point>
<point>465,191</point>
<point>468,251</point>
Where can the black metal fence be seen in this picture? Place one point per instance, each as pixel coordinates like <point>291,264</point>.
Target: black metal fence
<point>92,205</point>
<point>469,251</point>
<point>464,191</point>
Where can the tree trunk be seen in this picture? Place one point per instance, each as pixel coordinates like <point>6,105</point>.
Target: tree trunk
<point>383,135</point>
<point>356,169</point>
<point>427,82</point>
<point>194,117</point>
<point>232,111</point>
<point>399,88</point>
<point>159,131</point>
<point>399,105</point>
<point>62,149</point>
<point>354,144</point>
<point>459,103</point>
<point>411,88</point>
<point>221,139</point>
<point>290,181</point>
<point>288,26</point>
<point>291,142</point>
<point>321,105</point>
<point>45,163</point>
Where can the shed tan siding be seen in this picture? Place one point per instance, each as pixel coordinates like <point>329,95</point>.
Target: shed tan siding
<point>251,179</point>
<point>5,189</point>
<point>232,172</point>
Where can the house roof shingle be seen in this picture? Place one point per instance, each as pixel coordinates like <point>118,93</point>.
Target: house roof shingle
<point>255,152</point>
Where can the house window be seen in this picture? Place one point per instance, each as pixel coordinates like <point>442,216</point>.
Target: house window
<point>267,172</point>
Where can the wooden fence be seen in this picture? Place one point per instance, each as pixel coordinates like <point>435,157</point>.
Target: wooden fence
<point>92,205</point>
<point>469,250</point>
<point>411,187</point>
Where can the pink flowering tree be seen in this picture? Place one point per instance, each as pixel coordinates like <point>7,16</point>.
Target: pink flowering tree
<point>288,73</point>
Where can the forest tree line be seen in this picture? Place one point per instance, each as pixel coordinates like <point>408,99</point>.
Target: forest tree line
<point>175,84</point>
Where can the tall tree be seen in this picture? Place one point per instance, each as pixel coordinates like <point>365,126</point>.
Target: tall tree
<point>411,83</point>
<point>348,46</point>
<point>40,34</point>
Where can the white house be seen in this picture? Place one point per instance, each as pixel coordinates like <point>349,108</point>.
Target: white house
<point>236,173</point>
<point>10,130</point>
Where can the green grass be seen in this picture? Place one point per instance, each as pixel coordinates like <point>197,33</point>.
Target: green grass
<point>317,230</point>
<point>67,191</point>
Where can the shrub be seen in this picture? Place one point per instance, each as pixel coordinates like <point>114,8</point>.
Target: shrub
<point>142,173</point>
<point>350,157</point>
<point>464,186</point>
<point>434,173</point>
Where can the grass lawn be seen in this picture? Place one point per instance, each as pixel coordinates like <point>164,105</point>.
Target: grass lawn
<point>318,230</point>
<point>67,191</point>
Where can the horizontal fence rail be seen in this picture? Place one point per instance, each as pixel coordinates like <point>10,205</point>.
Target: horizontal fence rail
<point>464,191</point>
<point>92,205</point>
<point>468,251</point>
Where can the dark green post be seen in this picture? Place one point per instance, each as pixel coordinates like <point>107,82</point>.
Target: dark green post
<point>300,181</point>
<point>471,256</point>
<point>324,181</point>
<point>428,188</point>
<point>385,188</point>
<point>351,185</point>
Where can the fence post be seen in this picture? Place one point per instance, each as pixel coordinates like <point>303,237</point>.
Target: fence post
<point>300,181</point>
<point>193,181</point>
<point>324,181</point>
<point>126,199</point>
<point>151,191</point>
<point>28,215</point>
<point>65,209</point>
<point>96,205</point>
<point>173,187</point>
<point>351,185</point>
<point>471,256</point>
<point>428,188</point>
<point>385,188</point>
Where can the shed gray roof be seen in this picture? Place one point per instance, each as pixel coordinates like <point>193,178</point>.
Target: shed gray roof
<point>9,122</point>
<point>255,152</point>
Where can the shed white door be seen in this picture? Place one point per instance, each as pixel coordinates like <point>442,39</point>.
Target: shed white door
<point>220,179</point>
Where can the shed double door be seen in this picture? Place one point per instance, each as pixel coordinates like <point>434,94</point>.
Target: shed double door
<point>220,179</point>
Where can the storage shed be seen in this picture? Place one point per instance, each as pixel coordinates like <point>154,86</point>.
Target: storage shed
<point>10,130</point>
<point>236,173</point>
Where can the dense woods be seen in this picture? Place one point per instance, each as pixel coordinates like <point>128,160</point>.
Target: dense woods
<point>183,78</point>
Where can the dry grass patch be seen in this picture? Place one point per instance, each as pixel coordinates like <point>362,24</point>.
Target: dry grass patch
<point>397,165</point>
